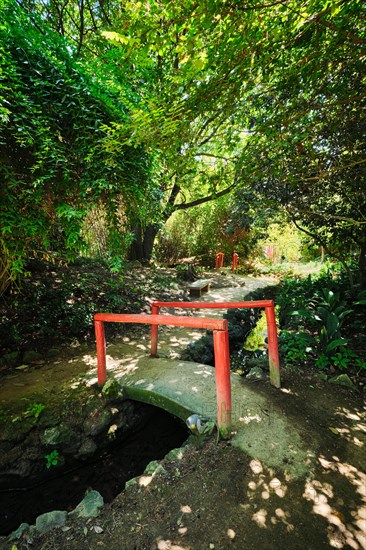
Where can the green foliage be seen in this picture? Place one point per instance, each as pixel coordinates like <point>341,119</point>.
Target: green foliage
<point>34,410</point>
<point>333,317</point>
<point>282,242</point>
<point>258,335</point>
<point>296,347</point>
<point>54,160</point>
<point>327,313</point>
<point>58,303</point>
<point>52,459</point>
<point>202,232</point>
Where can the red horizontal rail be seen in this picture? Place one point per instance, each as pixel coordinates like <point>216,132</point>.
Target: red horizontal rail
<point>217,305</point>
<point>267,305</point>
<point>221,351</point>
<point>172,320</point>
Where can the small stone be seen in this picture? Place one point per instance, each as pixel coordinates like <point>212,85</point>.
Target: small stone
<point>19,532</point>
<point>342,380</point>
<point>50,520</point>
<point>90,506</point>
<point>22,367</point>
<point>87,448</point>
<point>231,534</point>
<point>256,373</point>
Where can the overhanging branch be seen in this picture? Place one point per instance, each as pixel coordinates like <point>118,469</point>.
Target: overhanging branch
<point>208,198</point>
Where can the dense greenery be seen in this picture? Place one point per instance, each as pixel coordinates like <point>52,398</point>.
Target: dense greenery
<point>265,99</point>
<point>57,302</point>
<point>141,109</point>
<point>323,321</point>
<point>55,166</point>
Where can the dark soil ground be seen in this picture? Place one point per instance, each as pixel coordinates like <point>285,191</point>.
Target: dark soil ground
<point>214,496</point>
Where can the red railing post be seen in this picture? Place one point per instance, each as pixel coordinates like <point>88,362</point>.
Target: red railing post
<point>222,375</point>
<point>219,260</point>
<point>101,352</point>
<point>273,357</point>
<point>235,261</point>
<point>154,333</point>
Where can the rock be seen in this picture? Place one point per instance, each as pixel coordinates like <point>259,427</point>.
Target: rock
<point>322,376</point>
<point>342,380</point>
<point>61,436</point>
<point>98,422</point>
<point>154,467</point>
<point>18,430</point>
<point>90,506</point>
<point>256,373</point>
<point>112,390</point>
<point>176,454</point>
<point>31,356</point>
<point>23,527</point>
<point>87,448</point>
<point>131,482</point>
<point>50,520</point>
<point>50,436</point>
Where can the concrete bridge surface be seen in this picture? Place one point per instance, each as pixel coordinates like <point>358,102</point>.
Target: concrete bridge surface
<point>181,388</point>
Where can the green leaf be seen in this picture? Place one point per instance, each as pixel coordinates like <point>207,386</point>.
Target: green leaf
<point>336,344</point>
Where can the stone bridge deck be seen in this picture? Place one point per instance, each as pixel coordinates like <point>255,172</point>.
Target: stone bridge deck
<point>182,388</point>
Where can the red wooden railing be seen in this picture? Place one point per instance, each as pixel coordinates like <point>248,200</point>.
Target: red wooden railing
<point>267,305</point>
<point>221,351</point>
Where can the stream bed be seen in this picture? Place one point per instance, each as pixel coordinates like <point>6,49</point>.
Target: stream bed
<point>63,489</point>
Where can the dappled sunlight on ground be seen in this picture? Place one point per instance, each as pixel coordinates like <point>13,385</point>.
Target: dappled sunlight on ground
<point>352,427</point>
<point>125,365</point>
<point>205,373</point>
<point>263,486</point>
<point>169,545</point>
<point>342,531</point>
<point>345,516</point>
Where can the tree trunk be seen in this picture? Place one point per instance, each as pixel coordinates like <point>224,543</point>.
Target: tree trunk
<point>143,244</point>
<point>362,263</point>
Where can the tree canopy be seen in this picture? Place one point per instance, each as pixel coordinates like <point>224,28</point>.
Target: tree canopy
<point>197,100</point>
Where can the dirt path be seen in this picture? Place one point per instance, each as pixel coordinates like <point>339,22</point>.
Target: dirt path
<point>215,496</point>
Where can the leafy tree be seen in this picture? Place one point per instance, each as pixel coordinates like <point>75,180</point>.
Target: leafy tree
<point>272,90</point>
<point>54,162</point>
